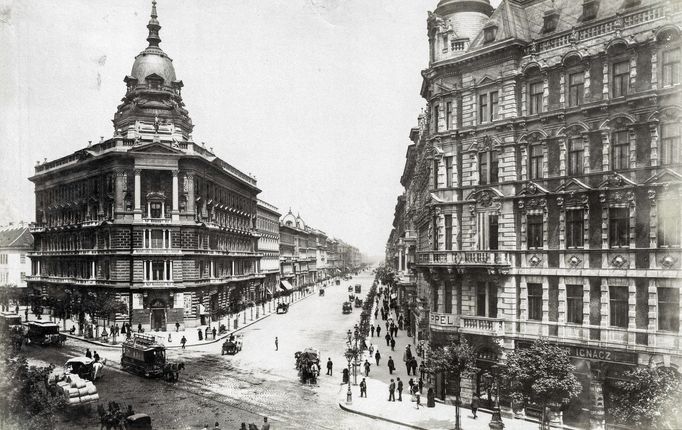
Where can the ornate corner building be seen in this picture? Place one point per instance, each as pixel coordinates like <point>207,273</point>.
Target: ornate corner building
<point>543,186</point>
<point>148,214</point>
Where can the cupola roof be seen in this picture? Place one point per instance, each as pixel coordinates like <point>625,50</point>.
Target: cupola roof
<point>446,7</point>
<point>153,60</point>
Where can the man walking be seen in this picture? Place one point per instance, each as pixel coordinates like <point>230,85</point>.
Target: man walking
<point>88,353</point>
<point>422,369</point>
<point>392,344</point>
<point>329,366</point>
<point>391,391</point>
<point>391,365</point>
<point>213,332</point>
<point>363,388</point>
<point>371,329</point>
<point>177,327</point>
<point>388,339</point>
<point>367,366</point>
<point>377,356</point>
<point>474,405</point>
<point>400,390</point>
<point>183,341</point>
<point>276,344</point>
<point>378,330</point>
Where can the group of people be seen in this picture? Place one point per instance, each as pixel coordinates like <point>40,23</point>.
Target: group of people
<point>266,426</point>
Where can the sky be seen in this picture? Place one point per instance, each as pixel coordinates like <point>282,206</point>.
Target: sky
<point>315,98</point>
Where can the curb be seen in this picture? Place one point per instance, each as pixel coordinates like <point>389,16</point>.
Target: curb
<point>217,339</point>
<point>377,417</point>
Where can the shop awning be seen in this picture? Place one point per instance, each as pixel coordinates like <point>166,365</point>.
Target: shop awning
<point>202,310</point>
<point>285,285</point>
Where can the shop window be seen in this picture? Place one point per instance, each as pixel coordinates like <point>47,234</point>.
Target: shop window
<point>536,160</point>
<point>535,231</point>
<point>620,150</point>
<point>618,303</point>
<point>576,151</point>
<point>670,144</point>
<point>621,78</point>
<point>669,309</point>
<point>535,302</point>
<point>575,222</point>
<point>574,304</point>
<point>619,227</point>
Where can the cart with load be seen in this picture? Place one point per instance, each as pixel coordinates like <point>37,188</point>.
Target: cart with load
<point>44,333</point>
<point>308,365</point>
<point>139,421</point>
<point>358,302</point>
<point>78,391</point>
<point>86,368</point>
<point>145,354</point>
<point>232,345</point>
<point>282,308</point>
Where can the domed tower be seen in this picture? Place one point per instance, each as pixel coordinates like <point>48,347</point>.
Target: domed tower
<point>153,101</point>
<point>454,24</point>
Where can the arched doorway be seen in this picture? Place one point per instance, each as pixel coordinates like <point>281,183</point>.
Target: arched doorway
<point>158,315</point>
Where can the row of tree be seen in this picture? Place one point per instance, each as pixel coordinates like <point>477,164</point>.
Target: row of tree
<point>543,375</point>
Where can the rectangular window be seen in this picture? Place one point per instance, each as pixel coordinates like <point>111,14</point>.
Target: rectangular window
<point>435,233</point>
<point>493,232</point>
<point>157,270</point>
<point>576,151</point>
<point>435,119</point>
<point>155,209</point>
<point>535,302</point>
<point>483,168</point>
<point>618,302</point>
<point>157,238</point>
<point>448,172</point>
<point>574,228</point>
<point>448,115</point>
<point>621,78</point>
<point>620,150</point>
<point>22,258</point>
<point>619,227</point>
<point>483,108</point>
<point>534,229</point>
<point>535,90</point>
<point>576,88</point>
<point>494,168</point>
<point>668,224</point>
<point>481,299</point>
<point>435,174</point>
<point>448,232</point>
<point>669,309</point>
<point>574,304</point>
<point>536,159</point>
<point>671,67</point>
<point>670,144</point>
<point>494,105</point>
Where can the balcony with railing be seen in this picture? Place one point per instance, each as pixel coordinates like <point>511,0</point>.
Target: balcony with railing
<point>482,325</point>
<point>464,258</point>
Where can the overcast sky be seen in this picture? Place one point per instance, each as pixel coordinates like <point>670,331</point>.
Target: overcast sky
<point>314,97</point>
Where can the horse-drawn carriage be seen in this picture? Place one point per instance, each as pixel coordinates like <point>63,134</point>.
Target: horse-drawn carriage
<point>44,333</point>
<point>358,302</point>
<point>233,344</point>
<point>144,354</point>
<point>308,365</point>
<point>11,330</point>
<point>347,308</point>
<point>282,308</point>
<point>321,292</point>
<point>85,367</point>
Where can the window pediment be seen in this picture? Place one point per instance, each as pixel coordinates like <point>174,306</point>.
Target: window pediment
<point>573,186</point>
<point>616,180</point>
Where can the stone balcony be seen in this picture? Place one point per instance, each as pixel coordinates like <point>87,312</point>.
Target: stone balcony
<point>469,324</point>
<point>500,259</point>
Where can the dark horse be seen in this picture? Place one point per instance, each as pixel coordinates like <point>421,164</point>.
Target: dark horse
<point>171,371</point>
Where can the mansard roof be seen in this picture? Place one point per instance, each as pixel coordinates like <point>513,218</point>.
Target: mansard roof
<point>16,237</point>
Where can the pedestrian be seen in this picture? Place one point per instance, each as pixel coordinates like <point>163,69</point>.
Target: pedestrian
<point>422,369</point>
<point>276,344</point>
<point>376,311</point>
<point>213,332</point>
<point>95,356</point>
<point>201,336</point>
<point>391,391</point>
<point>363,388</point>
<point>388,339</point>
<point>169,338</point>
<point>411,384</point>
<point>216,426</point>
<point>388,327</point>
<point>177,327</point>
<point>400,390</point>
<point>414,366</point>
<point>88,353</point>
<point>371,350</point>
<point>266,424</point>
<point>418,396</point>
<point>117,329</point>
<point>475,401</point>
<point>392,344</point>
<point>139,328</point>
<point>183,341</point>
<point>207,332</point>
<point>378,330</point>
<point>391,365</point>
<point>367,366</point>
<point>421,384</point>
<point>371,329</point>
<point>377,356</point>
<point>329,366</point>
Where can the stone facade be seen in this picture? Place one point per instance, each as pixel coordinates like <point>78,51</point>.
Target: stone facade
<point>542,186</point>
<point>267,225</point>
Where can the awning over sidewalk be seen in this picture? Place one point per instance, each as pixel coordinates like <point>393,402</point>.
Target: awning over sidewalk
<point>285,285</point>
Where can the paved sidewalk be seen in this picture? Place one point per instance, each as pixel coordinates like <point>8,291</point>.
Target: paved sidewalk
<point>190,333</point>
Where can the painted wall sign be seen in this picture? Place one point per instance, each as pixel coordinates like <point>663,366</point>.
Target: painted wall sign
<point>590,353</point>
<point>439,320</point>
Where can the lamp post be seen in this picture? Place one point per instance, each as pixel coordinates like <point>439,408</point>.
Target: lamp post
<point>349,357</point>
<point>494,381</point>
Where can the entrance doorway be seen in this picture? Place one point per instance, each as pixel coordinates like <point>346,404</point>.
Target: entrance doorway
<point>158,315</point>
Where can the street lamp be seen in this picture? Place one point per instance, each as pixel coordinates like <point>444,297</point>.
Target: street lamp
<point>349,357</point>
<point>494,382</point>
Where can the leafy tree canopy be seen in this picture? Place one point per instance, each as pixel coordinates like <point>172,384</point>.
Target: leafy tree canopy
<point>457,358</point>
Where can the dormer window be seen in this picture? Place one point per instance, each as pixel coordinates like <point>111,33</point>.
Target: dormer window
<point>551,19</point>
<point>631,3</point>
<point>489,32</point>
<point>590,8</point>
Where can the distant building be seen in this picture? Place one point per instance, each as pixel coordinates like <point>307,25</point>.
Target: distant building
<point>543,187</point>
<point>16,243</point>
<point>148,214</point>
<point>267,225</point>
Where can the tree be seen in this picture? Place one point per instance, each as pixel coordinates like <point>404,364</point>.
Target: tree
<point>646,398</point>
<point>28,401</point>
<point>386,275</point>
<point>457,358</point>
<point>542,374</point>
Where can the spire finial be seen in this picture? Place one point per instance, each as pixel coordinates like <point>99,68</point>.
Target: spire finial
<point>154,28</point>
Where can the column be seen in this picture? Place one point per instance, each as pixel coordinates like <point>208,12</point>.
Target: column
<point>561,317</point>
<point>189,189</point>
<point>400,259</point>
<point>604,309</point>
<point>606,80</point>
<point>175,212</point>
<point>138,194</point>
<point>120,184</point>
<point>545,307</point>
<point>165,273</point>
<point>92,271</point>
<point>653,155</point>
<point>144,270</point>
<point>632,312</point>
